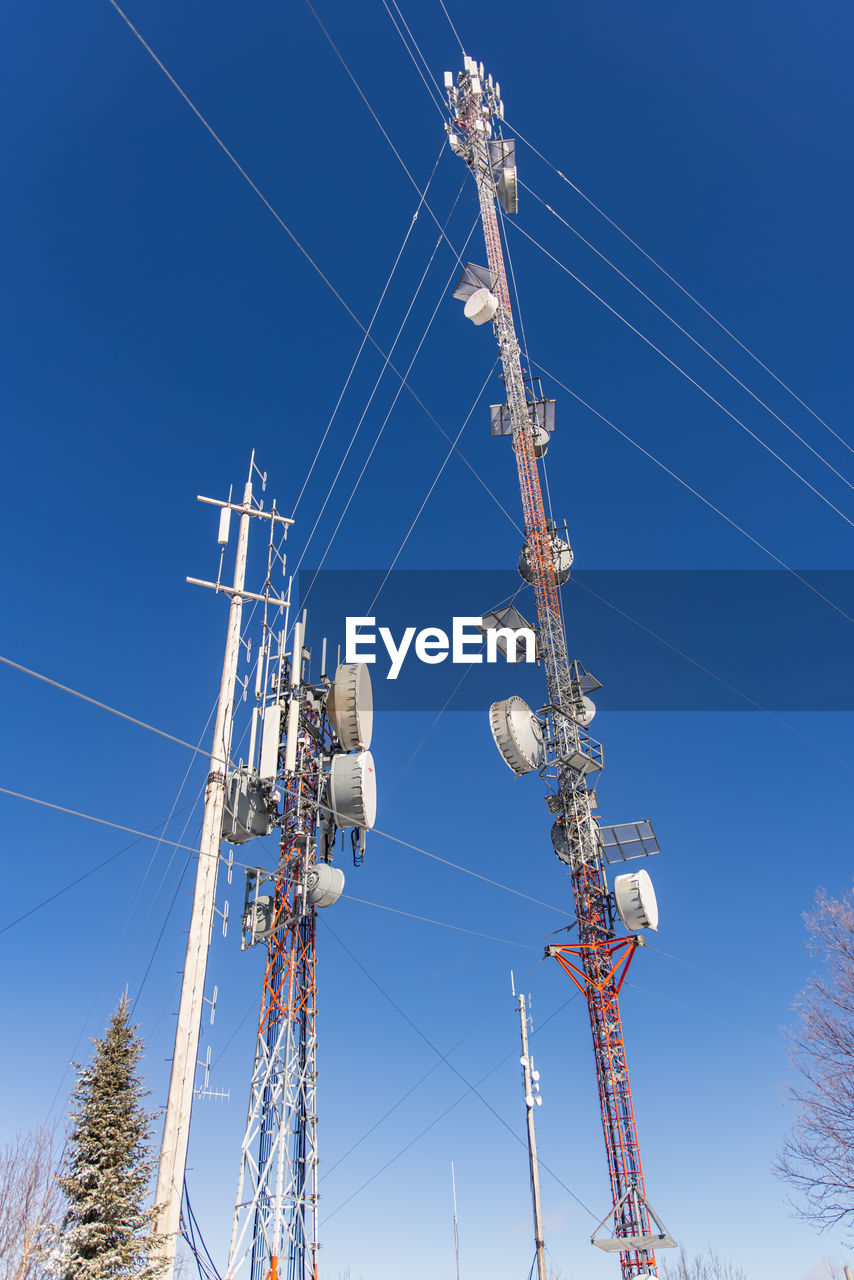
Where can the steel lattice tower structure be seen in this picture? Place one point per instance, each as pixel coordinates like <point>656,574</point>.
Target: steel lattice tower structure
<point>275,1220</point>
<point>602,958</point>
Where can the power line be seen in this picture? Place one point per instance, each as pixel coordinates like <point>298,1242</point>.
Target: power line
<point>441,923</point>
<point>238,1028</point>
<point>373,448</point>
<point>714,676</point>
<point>453,28</point>
<point>437,102</point>
<point>379,124</point>
<point>200,792</point>
<point>470,1088</point>
<point>692,1008</point>
<point>451,695</point>
<point>159,938</point>
<point>385,289</point>
<point>706,501</point>
<point>72,884</point>
<point>108,968</point>
<point>103,706</point>
<point>330,286</point>
<point>690,337</point>
<point>680,287</point>
<point>711,973</point>
<point>661,353</point>
<point>102,822</point>
<point>436,480</point>
<point>429,1072</point>
<point>685,374</point>
<point>167,869</point>
<point>466,872</point>
<point>147,835</point>
<point>385,421</point>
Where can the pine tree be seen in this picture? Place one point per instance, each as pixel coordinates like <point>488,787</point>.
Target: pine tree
<point>106,1232</point>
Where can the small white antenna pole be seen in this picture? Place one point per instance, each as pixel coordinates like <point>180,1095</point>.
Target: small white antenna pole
<point>294,705</point>
<point>532,1144</point>
<point>456,1227</point>
<point>323,657</point>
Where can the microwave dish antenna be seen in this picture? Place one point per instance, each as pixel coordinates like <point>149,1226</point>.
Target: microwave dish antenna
<point>324,885</point>
<point>539,441</point>
<point>481,306</point>
<point>635,901</point>
<point>350,706</point>
<point>561,556</point>
<point>353,790</point>
<point>518,734</point>
<point>588,712</point>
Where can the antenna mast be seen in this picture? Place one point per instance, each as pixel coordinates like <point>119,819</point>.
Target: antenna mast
<point>456,1226</point>
<point>530,1084</point>
<point>559,745</point>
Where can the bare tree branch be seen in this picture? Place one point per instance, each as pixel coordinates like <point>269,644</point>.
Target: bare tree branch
<point>707,1266</point>
<point>29,1204</point>
<point>817,1159</point>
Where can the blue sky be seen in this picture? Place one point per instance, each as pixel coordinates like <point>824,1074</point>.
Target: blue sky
<point>160,324</point>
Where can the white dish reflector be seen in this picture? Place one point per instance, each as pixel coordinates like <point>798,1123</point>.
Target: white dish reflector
<point>539,441</point>
<point>518,734</point>
<point>588,713</point>
<point>562,558</point>
<point>635,900</point>
<point>324,885</point>
<point>353,790</point>
<point>350,706</point>
<point>481,306</point>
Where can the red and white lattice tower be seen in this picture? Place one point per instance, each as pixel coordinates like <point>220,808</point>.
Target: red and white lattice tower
<point>313,758</point>
<point>274,1236</point>
<point>599,961</point>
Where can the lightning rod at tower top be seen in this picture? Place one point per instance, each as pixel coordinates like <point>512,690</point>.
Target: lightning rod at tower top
<point>555,740</point>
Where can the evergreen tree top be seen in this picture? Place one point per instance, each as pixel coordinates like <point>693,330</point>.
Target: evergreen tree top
<point>107,1230</point>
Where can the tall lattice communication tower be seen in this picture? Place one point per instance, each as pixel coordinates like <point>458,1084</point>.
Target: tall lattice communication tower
<point>310,776</point>
<point>313,759</point>
<point>555,741</point>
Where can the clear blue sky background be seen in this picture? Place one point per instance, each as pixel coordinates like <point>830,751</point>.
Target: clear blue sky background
<point>159,324</point>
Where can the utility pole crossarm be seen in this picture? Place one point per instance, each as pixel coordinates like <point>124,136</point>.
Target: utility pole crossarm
<point>279,601</point>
